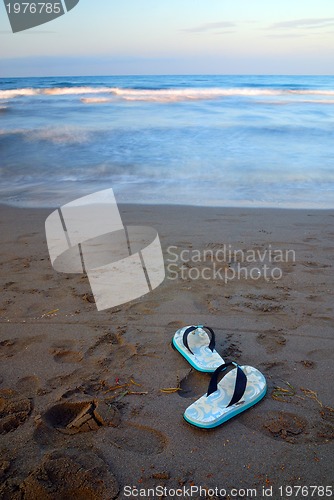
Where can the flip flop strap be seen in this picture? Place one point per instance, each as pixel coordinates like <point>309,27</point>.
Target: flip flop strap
<point>191,329</point>
<point>240,382</point>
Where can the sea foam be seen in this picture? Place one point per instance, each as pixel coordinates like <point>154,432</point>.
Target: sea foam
<point>161,95</point>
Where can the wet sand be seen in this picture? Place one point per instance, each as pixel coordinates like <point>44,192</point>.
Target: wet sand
<point>83,406</point>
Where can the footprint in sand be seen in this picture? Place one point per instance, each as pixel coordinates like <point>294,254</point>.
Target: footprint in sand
<point>258,302</point>
<point>14,410</point>
<point>28,386</point>
<point>195,384</point>
<point>272,340</point>
<point>232,350</point>
<point>145,308</point>
<point>290,427</point>
<point>63,352</point>
<point>111,348</point>
<point>105,344</point>
<point>66,356</point>
<point>73,418</point>
<point>11,347</point>
<point>80,416</point>
<point>320,354</point>
<point>8,347</point>
<point>138,438</point>
<point>62,474</point>
<point>173,326</point>
<point>9,285</point>
<point>314,267</point>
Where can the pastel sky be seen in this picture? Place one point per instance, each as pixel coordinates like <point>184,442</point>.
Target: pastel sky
<point>107,37</point>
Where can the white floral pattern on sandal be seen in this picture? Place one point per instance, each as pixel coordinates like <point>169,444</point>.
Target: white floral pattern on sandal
<point>239,389</point>
<point>197,346</point>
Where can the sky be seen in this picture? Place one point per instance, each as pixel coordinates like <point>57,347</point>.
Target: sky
<point>107,37</point>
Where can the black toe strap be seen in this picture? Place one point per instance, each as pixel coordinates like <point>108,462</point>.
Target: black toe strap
<point>240,382</point>
<point>207,329</point>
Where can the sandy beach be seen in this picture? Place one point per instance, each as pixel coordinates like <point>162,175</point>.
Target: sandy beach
<point>91,402</point>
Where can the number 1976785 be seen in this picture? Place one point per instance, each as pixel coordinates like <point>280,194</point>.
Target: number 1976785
<point>34,8</point>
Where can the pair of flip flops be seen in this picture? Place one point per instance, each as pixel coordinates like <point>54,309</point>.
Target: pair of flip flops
<point>240,388</point>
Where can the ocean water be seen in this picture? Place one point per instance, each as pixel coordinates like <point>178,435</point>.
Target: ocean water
<point>254,141</point>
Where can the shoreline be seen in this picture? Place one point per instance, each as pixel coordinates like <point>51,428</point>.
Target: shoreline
<point>176,206</point>
<point>58,351</point>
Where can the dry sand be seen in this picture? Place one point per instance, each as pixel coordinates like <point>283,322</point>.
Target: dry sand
<point>82,413</point>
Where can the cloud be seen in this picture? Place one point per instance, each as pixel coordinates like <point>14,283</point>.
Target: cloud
<point>224,32</point>
<point>209,27</point>
<point>286,35</point>
<point>304,23</point>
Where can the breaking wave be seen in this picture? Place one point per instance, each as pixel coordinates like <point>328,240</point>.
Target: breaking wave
<point>160,95</point>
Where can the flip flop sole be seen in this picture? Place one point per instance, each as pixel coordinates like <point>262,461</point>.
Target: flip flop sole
<point>203,360</point>
<point>226,417</point>
<point>191,361</point>
<point>213,410</point>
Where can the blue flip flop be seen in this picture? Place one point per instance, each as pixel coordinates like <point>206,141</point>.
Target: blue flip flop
<point>240,388</point>
<point>197,346</point>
